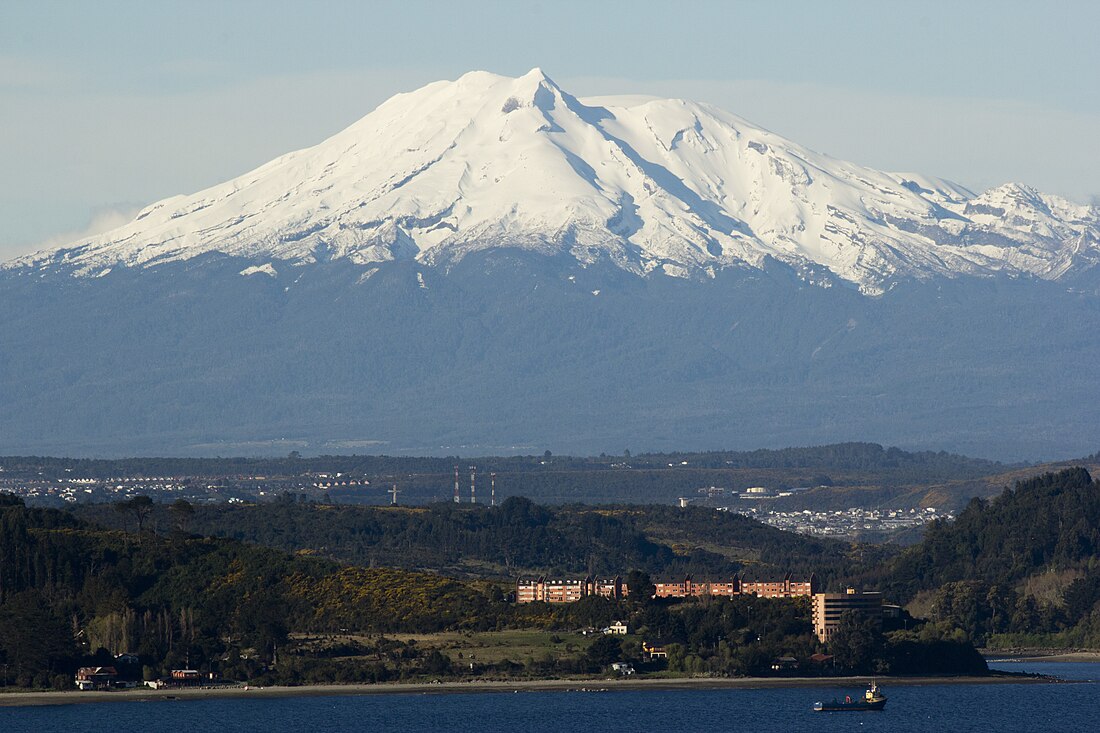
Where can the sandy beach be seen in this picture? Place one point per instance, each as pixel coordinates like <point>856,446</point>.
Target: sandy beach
<point>67,697</point>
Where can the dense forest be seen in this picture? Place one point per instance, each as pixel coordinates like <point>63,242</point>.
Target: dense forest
<point>1021,569</point>
<point>520,537</point>
<point>68,591</point>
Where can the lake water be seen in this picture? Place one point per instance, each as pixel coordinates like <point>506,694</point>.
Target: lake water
<point>1001,708</point>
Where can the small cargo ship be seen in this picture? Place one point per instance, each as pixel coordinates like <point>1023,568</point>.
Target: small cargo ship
<point>873,699</point>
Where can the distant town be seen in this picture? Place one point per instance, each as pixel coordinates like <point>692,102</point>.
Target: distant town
<point>841,523</point>
<point>756,502</point>
<point>844,523</point>
<point>205,489</point>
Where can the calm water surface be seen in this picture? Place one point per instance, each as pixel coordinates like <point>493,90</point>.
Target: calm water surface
<point>1001,708</point>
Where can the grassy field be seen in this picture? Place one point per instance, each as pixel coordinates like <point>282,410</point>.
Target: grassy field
<point>487,647</point>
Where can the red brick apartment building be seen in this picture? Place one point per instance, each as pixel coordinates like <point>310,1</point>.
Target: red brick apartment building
<point>786,588</point>
<point>565,590</point>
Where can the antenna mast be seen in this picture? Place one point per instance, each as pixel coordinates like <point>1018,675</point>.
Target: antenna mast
<point>493,489</point>
<point>473,481</point>
<point>456,485</point>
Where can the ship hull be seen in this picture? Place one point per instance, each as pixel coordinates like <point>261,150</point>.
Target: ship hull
<point>837,707</point>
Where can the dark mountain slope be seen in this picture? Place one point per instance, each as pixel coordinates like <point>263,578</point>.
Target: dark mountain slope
<point>504,353</point>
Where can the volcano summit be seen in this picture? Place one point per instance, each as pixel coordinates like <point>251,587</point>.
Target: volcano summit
<point>487,162</point>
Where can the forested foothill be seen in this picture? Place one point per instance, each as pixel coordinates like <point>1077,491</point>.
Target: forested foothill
<point>299,592</point>
<point>74,594</point>
<point>518,537</point>
<point>1019,570</point>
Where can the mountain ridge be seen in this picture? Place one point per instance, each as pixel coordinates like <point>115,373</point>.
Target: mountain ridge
<point>650,185</point>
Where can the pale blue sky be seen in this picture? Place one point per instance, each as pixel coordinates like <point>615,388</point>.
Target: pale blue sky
<point>107,106</point>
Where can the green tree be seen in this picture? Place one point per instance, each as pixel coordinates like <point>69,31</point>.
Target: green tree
<point>262,621</point>
<point>857,642</point>
<point>33,639</point>
<point>182,513</point>
<point>138,507</point>
<point>604,651</point>
<point>437,663</point>
<point>640,587</point>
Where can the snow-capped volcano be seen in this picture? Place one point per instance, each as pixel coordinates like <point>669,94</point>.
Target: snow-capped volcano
<point>488,161</point>
<point>387,287</point>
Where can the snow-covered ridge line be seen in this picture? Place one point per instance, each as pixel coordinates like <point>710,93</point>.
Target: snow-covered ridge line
<point>652,185</point>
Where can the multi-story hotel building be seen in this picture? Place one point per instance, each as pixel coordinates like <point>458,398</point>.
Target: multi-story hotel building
<point>829,607</point>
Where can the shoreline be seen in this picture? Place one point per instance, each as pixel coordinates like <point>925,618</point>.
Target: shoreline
<point>72,697</point>
<point>1039,655</point>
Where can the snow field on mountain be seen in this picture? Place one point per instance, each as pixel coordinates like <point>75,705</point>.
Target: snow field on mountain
<point>651,185</point>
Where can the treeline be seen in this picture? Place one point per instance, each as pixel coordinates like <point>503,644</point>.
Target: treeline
<point>520,537</point>
<point>902,465</point>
